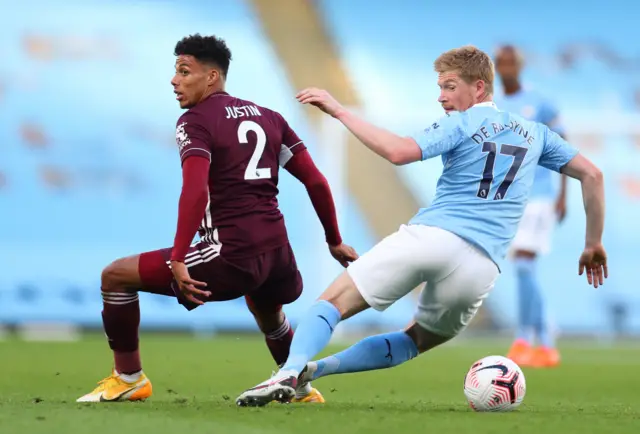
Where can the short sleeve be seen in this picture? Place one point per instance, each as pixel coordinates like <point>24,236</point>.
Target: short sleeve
<point>557,152</point>
<point>291,143</point>
<point>192,136</point>
<point>550,116</point>
<point>442,136</point>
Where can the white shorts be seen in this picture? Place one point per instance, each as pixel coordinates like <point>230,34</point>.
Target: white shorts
<point>536,227</point>
<point>458,275</point>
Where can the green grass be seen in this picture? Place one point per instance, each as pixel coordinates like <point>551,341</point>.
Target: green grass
<point>196,381</point>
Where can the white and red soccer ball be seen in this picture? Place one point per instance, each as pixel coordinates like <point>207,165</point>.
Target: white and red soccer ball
<point>494,383</point>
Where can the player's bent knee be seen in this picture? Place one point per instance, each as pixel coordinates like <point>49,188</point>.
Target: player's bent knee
<point>121,274</point>
<point>268,320</point>
<point>344,295</point>
<point>424,339</point>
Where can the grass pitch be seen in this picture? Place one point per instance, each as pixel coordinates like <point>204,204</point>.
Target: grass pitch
<point>196,381</point>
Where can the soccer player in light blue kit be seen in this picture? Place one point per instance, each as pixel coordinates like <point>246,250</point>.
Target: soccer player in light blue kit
<point>455,245</point>
<point>546,206</point>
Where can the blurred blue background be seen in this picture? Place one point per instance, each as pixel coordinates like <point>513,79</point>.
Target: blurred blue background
<point>89,170</point>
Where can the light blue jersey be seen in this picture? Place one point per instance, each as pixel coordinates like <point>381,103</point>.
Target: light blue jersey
<point>532,106</point>
<point>490,159</point>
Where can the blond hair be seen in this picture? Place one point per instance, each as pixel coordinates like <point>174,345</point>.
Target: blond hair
<point>470,63</point>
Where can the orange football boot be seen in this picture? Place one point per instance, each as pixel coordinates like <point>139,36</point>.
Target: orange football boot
<point>114,388</point>
<point>545,357</point>
<point>521,353</point>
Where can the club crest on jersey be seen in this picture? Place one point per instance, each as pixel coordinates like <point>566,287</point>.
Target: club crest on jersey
<point>182,139</point>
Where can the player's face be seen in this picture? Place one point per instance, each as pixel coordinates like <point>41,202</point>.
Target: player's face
<point>192,81</point>
<point>455,93</point>
<point>508,65</point>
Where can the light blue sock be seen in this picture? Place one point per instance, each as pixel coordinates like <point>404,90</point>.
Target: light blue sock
<point>527,288</point>
<point>312,335</point>
<point>375,352</point>
<point>539,319</point>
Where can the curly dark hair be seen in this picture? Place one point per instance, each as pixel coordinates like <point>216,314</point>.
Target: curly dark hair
<point>206,49</point>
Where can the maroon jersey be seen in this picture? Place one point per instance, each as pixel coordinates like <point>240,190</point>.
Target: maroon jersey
<point>246,144</point>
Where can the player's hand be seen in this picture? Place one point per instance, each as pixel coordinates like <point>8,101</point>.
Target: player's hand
<point>343,254</point>
<point>593,261</point>
<point>321,99</point>
<point>561,208</point>
<point>188,285</point>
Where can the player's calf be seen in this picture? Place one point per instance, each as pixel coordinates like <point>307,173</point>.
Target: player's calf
<point>276,329</point>
<point>424,339</point>
<point>278,336</point>
<point>121,312</point>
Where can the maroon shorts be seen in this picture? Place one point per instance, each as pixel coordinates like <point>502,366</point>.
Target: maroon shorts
<point>267,280</point>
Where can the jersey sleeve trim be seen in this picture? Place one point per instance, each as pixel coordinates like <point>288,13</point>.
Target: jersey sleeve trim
<point>196,151</point>
<point>294,145</point>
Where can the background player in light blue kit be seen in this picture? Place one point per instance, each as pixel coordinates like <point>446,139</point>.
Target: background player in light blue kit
<point>456,245</point>
<point>547,204</point>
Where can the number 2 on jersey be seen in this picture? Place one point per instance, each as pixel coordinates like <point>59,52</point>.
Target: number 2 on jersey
<point>518,153</point>
<point>253,172</point>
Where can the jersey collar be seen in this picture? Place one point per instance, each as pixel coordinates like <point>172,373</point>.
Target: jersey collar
<point>218,93</point>
<point>486,104</point>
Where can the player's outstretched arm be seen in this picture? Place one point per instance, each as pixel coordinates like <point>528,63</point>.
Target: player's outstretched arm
<point>302,167</point>
<point>594,258</point>
<point>396,149</point>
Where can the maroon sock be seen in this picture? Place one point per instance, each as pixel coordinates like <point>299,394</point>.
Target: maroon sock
<point>121,318</point>
<point>279,342</point>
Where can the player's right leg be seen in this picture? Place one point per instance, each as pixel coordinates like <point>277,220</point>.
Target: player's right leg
<point>121,318</point>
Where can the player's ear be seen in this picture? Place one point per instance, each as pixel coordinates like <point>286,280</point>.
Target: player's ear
<point>480,87</point>
<point>212,76</point>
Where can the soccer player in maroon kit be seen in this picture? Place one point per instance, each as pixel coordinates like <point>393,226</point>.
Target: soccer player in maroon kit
<point>231,150</point>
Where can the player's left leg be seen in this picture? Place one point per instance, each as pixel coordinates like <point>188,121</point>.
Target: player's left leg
<point>524,247</point>
<point>281,284</point>
<point>278,334</point>
<point>377,279</point>
<point>275,326</point>
<point>446,306</point>
<point>340,301</point>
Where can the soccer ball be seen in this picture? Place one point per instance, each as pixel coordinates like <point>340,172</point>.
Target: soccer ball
<point>494,383</point>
